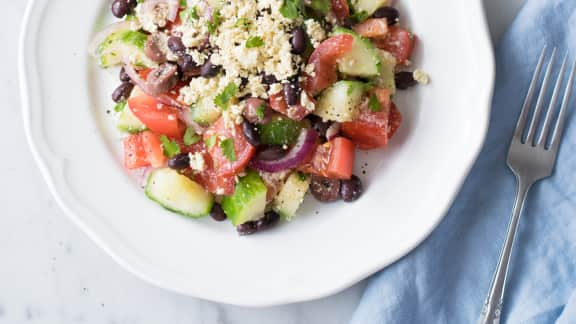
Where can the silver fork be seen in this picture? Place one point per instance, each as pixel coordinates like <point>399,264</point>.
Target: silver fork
<point>530,159</point>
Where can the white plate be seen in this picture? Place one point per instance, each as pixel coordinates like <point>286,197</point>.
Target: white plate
<point>328,247</point>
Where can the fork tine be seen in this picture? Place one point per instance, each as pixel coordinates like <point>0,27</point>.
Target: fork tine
<point>563,111</point>
<point>551,107</point>
<point>529,96</point>
<point>540,100</point>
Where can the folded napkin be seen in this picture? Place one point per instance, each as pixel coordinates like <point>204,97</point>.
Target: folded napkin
<point>446,279</point>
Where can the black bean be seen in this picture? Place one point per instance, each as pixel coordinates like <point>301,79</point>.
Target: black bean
<point>298,40</point>
<point>179,162</point>
<point>269,219</point>
<point>120,8</point>
<point>390,13</point>
<point>209,70</point>
<point>271,153</point>
<point>269,79</point>
<point>124,77</point>
<point>291,93</point>
<point>218,213</point>
<point>188,67</point>
<point>123,92</point>
<point>247,228</point>
<point>404,80</point>
<point>251,133</point>
<point>325,189</point>
<point>176,46</point>
<point>319,125</point>
<point>351,189</point>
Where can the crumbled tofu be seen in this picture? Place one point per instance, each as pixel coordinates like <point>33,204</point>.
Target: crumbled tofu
<point>421,76</point>
<point>152,18</point>
<point>197,162</point>
<point>315,32</point>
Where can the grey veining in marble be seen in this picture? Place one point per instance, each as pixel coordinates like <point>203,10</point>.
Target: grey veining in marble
<point>51,273</point>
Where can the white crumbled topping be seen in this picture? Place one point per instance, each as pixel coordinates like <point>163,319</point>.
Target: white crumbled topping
<point>275,88</point>
<point>309,69</point>
<point>315,32</point>
<point>197,162</point>
<point>255,87</point>
<point>307,103</point>
<point>198,57</point>
<point>153,19</point>
<point>202,87</point>
<point>421,76</point>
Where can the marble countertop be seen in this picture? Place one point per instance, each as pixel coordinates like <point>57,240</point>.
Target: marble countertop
<point>51,273</point>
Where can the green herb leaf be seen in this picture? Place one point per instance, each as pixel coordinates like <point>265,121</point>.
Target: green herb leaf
<point>243,22</point>
<point>183,3</point>
<point>222,100</point>
<point>190,137</point>
<point>171,148</point>
<point>227,147</point>
<point>120,106</point>
<point>260,111</point>
<point>374,104</point>
<point>322,6</point>
<point>359,16</point>
<point>215,22</point>
<point>189,14</point>
<point>291,8</point>
<point>210,142</point>
<point>302,176</point>
<point>254,41</point>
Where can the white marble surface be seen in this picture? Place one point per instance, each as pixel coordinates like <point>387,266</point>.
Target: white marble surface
<point>51,273</point>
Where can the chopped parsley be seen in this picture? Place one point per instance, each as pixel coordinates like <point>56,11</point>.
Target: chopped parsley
<point>254,41</point>
<point>183,3</point>
<point>374,104</point>
<point>359,16</point>
<point>243,22</point>
<point>189,14</point>
<point>322,6</point>
<point>120,106</point>
<point>260,111</point>
<point>291,8</point>
<point>190,137</point>
<point>227,147</point>
<point>170,147</point>
<point>215,22</point>
<point>210,142</point>
<point>222,100</point>
<point>302,176</point>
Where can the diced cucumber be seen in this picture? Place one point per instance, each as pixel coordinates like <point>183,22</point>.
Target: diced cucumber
<point>128,122</point>
<point>205,111</point>
<point>387,72</point>
<point>362,60</point>
<point>178,193</point>
<point>341,101</point>
<point>121,44</point>
<point>282,131</point>
<point>369,6</point>
<point>248,201</point>
<point>291,195</point>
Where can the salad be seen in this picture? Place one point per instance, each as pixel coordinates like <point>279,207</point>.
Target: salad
<point>238,108</point>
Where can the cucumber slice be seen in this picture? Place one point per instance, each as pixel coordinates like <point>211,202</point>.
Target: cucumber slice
<point>248,201</point>
<point>178,193</point>
<point>387,72</point>
<point>128,122</point>
<point>120,44</point>
<point>205,111</point>
<point>362,60</point>
<point>291,195</point>
<point>280,132</point>
<point>369,6</point>
<point>341,101</point>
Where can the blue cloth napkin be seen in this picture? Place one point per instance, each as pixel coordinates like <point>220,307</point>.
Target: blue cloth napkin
<point>446,279</point>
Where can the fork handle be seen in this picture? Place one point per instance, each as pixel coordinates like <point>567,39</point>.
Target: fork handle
<point>493,305</point>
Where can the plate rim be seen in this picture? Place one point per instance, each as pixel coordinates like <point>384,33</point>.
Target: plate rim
<point>42,163</point>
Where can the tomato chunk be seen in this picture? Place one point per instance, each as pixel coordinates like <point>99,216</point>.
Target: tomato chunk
<point>399,42</point>
<point>154,150</point>
<point>214,183</point>
<point>242,150</point>
<point>372,28</point>
<point>333,159</point>
<point>324,60</point>
<point>159,118</point>
<point>297,112</point>
<point>134,153</point>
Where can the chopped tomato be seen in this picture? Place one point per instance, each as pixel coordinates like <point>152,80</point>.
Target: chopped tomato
<point>224,163</point>
<point>340,9</point>
<point>333,159</point>
<point>372,28</point>
<point>159,118</point>
<point>395,121</point>
<point>297,112</point>
<point>154,150</point>
<point>134,153</point>
<point>324,60</point>
<point>212,181</point>
<point>399,42</point>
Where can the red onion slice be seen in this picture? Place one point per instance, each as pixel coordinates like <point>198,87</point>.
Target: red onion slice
<point>295,157</point>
